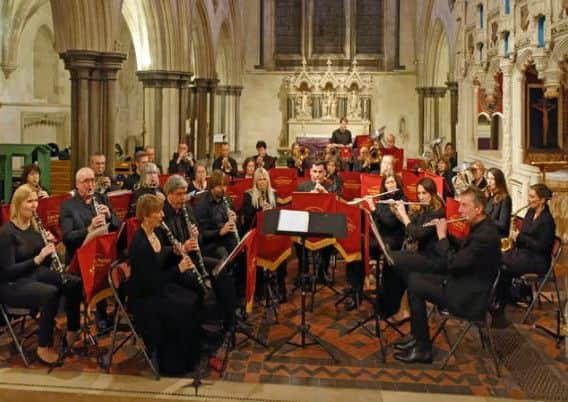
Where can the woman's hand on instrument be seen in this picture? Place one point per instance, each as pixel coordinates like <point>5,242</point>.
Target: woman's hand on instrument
<point>49,236</point>
<point>370,202</point>
<point>44,253</point>
<point>266,206</point>
<point>185,264</point>
<point>190,245</point>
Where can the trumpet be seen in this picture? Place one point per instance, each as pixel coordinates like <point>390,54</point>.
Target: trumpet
<point>179,247</point>
<point>56,264</point>
<point>300,156</point>
<point>375,154</point>
<point>228,208</point>
<point>226,165</point>
<point>433,223</point>
<point>200,264</point>
<point>507,242</point>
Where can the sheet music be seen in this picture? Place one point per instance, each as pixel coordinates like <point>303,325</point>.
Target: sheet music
<point>293,221</point>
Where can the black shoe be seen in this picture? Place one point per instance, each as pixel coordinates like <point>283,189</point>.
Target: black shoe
<point>415,354</point>
<point>410,343</point>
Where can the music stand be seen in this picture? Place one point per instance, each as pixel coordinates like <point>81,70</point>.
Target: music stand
<point>320,224</point>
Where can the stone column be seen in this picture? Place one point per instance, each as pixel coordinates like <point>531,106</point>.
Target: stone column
<point>507,66</point>
<point>93,104</point>
<point>201,87</point>
<point>238,91</point>
<point>160,88</point>
<point>212,89</point>
<point>453,88</point>
<point>420,119</point>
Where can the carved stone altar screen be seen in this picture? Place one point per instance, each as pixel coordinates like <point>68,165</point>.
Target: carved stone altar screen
<point>316,101</point>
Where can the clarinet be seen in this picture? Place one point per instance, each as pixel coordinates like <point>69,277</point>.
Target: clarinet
<point>200,264</point>
<point>179,248</point>
<point>228,208</point>
<point>56,264</point>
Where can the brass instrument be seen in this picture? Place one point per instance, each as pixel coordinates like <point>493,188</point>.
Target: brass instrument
<point>56,264</point>
<point>200,264</point>
<point>507,242</point>
<point>300,156</point>
<point>226,165</point>
<point>375,154</point>
<point>228,208</point>
<point>179,247</point>
<point>433,223</point>
<point>101,186</point>
<point>463,178</point>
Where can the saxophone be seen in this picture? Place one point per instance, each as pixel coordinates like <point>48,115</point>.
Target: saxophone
<point>200,264</point>
<point>56,264</point>
<point>178,246</point>
<point>507,242</point>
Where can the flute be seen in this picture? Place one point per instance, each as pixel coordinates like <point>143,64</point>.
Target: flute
<point>433,223</point>
<point>356,201</point>
<point>402,202</point>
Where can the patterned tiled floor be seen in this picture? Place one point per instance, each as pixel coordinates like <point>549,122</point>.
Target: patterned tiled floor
<point>360,363</point>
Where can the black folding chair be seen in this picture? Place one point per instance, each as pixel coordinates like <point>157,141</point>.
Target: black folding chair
<point>117,277</point>
<point>12,314</point>
<point>540,281</point>
<point>482,324</point>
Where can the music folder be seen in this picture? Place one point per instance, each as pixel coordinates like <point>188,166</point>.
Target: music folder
<point>305,223</point>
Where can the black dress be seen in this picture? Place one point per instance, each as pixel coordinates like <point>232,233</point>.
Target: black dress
<point>500,214</point>
<point>167,315</point>
<point>25,285</point>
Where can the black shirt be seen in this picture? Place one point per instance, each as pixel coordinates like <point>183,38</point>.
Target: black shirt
<point>19,247</point>
<point>131,181</point>
<point>183,168</point>
<point>137,194</point>
<point>500,213</point>
<point>537,235</point>
<point>211,216</point>
<point>218,165</point>
<point>339,137</point>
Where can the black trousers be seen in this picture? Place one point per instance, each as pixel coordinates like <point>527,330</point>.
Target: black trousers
<point>517,262</point>
<point>41,290</point>
<point>423,287</point>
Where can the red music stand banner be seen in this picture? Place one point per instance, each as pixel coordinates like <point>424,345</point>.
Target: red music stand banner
<point>363,141</point>
<point>4,213</point>
<point>236,192</point>
<point>350,247</point>
<point>120,204</point>
<point>272,249</point>
<point>414,164</point>
<point>397,154</point>
<point>409,180</point>
<point>48,211</point>
<point>132,225</point>
<point>370,184</point>
<point>439,180</point>
<point>459,230</point>
<point>315,202</point>
<point>163,179</point>
<point>94,260</point>
<point>351,185</point>
<point>283,180</point>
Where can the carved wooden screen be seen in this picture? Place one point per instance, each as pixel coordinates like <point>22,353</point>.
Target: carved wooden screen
<point>329,26</point>
<point>288,26</point>
<point>369,26</point>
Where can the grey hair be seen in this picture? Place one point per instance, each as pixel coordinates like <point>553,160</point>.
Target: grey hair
<point>147,169</point>
<point>174,183</point>
<point>82,172</point>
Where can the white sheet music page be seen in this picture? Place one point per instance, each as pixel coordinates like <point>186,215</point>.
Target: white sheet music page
<point>293,221</point>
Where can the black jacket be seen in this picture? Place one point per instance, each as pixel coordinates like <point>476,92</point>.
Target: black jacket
<point>183,168</point>
<point>74,219</point>
<point>211,216</point>
<point>500,213</point>
<point>426,236</point>
<point>218,165</point>
<point>537,236</point>
<point>471,269</point>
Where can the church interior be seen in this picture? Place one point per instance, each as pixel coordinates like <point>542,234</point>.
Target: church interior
<point>119,78</point>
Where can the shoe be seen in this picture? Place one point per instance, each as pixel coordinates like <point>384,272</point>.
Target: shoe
<point>48,356</point>
<point>410,343</point>
<point>415,354</point>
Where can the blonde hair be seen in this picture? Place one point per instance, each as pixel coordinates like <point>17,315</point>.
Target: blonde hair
<point>256,194</point>
<point>21,194</point>
<point>148,204</point>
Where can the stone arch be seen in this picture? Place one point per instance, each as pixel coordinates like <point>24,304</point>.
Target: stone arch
<point>45,64</point>
<point>201,41</point>
<point>223,57</point>
<point>136,20</point>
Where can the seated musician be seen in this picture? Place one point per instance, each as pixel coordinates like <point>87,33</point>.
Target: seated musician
<point>224,162</point>
<point>167,315</point>
<point>262,158</point>
<point>478,171</point>
<point>199,182</point>
<point>317,184</point>
<point>451,155</point>
<point>262,197</point>
<point>182,162</point>
<point>151,152</point>
<point>390,141</point>
<point>341,136</point>
<point>26,280</point>
<point>104,183</point>
<point>133,180</point>
<point>78,217</point>
<point>443,170</point>
<point>464,280</point>
<point>180,219</point>
<point>31,176</point>
<point>363,162</point>
<point>249,166</point>
<point>420,242</point>
<point>499,203</point>
<point>298,158</point>
<point>332,176</point>
<point>387,165</point>
<point>149,184</point>
<point>533,243</point>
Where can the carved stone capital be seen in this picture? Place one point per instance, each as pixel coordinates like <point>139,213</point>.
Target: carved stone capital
<point>506,66</point>
<point>201,85</point>
<point>163,78</point>
<point>86,64</point>
<point>552,81</point>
